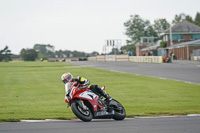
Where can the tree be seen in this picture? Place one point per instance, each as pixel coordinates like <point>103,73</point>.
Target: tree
<point>181,17</point>
<point>114,51</point>
<point>59,53</point>
<point>94,53</point>
<point>28,54</point>
<point>178,18</point>
<point>45,50</point>
<point>5,54</point>
<point>160,25</point>
<point>197,19</point>
<point>78,54</point>
<point>67,53</point>
<point>189,18</point>
<point>136,27</point>
<point>129,47</point>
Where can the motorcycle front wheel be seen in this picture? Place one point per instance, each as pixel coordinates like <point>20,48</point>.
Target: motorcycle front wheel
<point>83,114</point>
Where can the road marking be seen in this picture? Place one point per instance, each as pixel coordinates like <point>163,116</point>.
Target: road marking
<point>46,120</point>
<point>71,66</point>
<point>117,71</point>
<point>193,115</point>
<point>137,117</point>
<point>157,77</point>
<point>172,116</point>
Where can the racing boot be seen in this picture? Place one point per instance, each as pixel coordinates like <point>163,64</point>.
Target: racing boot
<point>108,99</point>
<point>102,92</point>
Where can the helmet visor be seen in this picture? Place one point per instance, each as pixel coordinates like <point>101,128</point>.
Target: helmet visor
<point>67,79</point>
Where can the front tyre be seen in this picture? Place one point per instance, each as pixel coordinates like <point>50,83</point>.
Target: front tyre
<point>83,114</point>
<point>120,112</point>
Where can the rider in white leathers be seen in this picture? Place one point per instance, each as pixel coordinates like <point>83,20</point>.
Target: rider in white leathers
<point>68,80</point>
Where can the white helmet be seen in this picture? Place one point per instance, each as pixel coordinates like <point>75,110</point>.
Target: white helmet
<point>66,77</point>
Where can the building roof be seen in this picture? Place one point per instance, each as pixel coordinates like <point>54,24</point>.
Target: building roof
<point>183,44</point>
<point>152,47</point>
<point>184,26</point>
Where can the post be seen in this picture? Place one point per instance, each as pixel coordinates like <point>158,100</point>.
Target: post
<point>170,32</point>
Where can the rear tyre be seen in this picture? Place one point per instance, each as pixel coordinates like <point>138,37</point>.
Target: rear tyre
<point>83,114</point>
<point>120,112</point>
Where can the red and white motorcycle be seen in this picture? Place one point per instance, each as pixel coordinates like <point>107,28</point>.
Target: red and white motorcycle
<point>86,105</point>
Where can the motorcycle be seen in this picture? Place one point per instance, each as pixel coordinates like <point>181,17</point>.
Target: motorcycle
<point>87,105</point>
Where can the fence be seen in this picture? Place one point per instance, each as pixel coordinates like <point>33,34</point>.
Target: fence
<point>146,59</point>
<point>92,58</point>
<point>100,58</point>
<point>195,58</point>
<point>195,55</point>
<point>122,58</point>
<point>110,58</point>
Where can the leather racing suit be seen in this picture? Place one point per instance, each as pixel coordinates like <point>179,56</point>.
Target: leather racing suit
<point>85,83</point>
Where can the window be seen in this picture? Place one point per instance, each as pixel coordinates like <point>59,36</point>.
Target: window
<point>177,37</point>
<point>144,40</point>
<point>195,36</point>
<point>165,38</point>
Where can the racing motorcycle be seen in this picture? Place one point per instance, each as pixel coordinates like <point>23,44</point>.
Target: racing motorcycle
<point>87,105</point>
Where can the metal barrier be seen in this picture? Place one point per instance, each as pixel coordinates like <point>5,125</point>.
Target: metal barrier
<point>122,58</point>
<point>146,59</point>
<point>110,58</point>
<point>92,58</point>
<point>196,58</point>
<point>100,58</point>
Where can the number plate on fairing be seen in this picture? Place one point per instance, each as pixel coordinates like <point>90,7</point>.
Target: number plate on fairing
<point>88,95</point>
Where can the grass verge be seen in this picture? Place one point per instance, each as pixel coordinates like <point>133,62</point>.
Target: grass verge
<point>33,90</point>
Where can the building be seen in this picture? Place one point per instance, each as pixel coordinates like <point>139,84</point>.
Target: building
<point>184,50</point>
<point>181,32</point>
<point>185,38</point>
<point>147,44</point>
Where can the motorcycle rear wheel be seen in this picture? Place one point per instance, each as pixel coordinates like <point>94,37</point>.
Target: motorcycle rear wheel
<point>84,115</point>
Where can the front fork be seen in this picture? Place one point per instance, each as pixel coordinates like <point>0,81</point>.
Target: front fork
<point>82,105</point>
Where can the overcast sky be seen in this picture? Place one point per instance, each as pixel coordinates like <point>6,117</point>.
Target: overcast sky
<point>81,25</point>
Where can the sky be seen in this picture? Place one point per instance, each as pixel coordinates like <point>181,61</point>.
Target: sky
<point>81,25</point>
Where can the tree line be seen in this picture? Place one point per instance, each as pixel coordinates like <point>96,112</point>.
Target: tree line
<point>45,51</point>
<point>42,51</point>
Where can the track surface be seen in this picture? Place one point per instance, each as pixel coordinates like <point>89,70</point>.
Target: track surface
<point>188,71</point>
<point>138,125</point>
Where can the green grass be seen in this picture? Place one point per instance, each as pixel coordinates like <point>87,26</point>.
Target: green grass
<point>33,90</point>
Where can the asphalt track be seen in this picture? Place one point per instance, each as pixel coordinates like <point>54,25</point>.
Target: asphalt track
<point>187,71</point>
<point>183,124</point>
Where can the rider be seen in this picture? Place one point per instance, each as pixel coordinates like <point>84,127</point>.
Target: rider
<point>68,80</point>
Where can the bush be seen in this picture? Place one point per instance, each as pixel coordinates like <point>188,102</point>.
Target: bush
<point>163,44</point>
<point>28,54</point>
